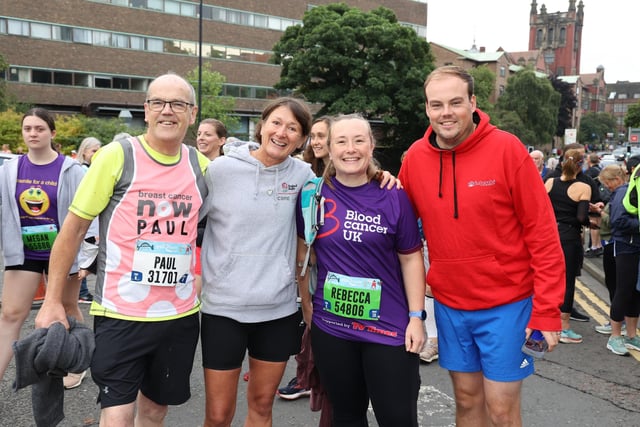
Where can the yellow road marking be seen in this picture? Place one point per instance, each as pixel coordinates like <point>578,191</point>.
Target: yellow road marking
<point>596,314</point>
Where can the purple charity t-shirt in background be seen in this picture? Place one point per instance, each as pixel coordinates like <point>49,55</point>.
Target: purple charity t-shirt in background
<point>37,199</point>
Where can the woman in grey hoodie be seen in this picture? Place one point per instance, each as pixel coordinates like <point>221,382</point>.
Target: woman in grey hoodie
<point>36,190</point>
<point>248,260</point>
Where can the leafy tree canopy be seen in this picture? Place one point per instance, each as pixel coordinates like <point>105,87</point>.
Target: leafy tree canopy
<point>568,102</point>
<point>212,104</point>
<point>632,119</point>
<point>484,81</point>
<point>595,126</point>
<point>353,61</point>
<point>70,130</point>
<point>536,104</point>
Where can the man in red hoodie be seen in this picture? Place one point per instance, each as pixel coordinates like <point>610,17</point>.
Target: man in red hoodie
<point>496,272</point>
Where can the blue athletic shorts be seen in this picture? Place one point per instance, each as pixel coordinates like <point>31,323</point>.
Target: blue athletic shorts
<point>485,340</point>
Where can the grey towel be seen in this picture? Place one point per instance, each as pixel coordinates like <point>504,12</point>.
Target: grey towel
<point>45,356</point>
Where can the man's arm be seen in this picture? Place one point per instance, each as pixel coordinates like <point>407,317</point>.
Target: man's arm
<point>64,251</point>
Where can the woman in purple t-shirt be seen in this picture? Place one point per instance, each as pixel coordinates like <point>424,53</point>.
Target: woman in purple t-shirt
<point>368,308</point>
<point>36,190</point>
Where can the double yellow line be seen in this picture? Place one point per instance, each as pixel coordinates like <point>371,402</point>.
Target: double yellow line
<point>589,301</point>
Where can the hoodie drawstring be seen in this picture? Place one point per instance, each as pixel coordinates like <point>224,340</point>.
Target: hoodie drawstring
<point>455,186</point>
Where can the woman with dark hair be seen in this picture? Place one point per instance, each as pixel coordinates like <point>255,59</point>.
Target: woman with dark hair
<point>36,191</point>
<point>570,201</point>
<point>211,137</point>
<point>248,264</point>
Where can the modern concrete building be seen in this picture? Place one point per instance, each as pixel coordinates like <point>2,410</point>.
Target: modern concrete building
<point>98,56</point>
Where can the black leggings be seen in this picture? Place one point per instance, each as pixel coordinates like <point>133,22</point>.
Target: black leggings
<point>626,301</point>
<point>573,256</point>
<point>609,268</point>
<point>353,372</point>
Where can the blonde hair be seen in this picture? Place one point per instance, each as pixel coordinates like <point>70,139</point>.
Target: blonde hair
<point>611,172</point>
<point>86,145</point>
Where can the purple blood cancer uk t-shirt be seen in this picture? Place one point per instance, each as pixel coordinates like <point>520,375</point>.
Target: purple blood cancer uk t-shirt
<point>360,294</point>
<point>37,199</point>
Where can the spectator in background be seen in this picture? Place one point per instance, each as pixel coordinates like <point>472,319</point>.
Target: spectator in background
<point>86,150</point>
<point>6,149</point>
<point>538,159</point>
<point>612,176</point>
<point>570,200</point>
<point>36,190</point>
<point>594,205</point>
<point>595,242</point>
<point>211,137</point>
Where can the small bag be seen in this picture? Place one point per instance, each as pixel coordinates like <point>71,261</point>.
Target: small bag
<point>312,203</point>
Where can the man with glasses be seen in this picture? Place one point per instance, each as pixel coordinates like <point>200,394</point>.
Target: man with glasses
<point>147,191</point>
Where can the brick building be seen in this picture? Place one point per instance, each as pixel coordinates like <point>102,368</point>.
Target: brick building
<point>620,95</point>
<point>98,56</point>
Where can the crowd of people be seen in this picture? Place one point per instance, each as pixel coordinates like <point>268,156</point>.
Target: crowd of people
<point>455,260</point>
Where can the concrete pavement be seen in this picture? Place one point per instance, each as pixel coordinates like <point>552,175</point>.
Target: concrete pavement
<point>576,385</point>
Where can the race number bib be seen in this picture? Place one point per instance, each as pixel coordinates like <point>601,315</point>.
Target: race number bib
<point>39,238</point>
<point>161,263</point>
<point>352,297</point>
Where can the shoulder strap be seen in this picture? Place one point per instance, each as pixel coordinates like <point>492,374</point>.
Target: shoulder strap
<point>630,200</point>
<point>312,204</point>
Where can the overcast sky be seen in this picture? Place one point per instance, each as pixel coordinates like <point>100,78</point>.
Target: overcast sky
<point>610,35</point>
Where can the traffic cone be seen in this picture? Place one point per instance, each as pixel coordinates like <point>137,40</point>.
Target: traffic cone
<point>39,297</point>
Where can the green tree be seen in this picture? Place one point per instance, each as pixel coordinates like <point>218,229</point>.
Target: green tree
<point>595,126</point>
<point>535,103</point>
<point>10,132</point>
<point>349,61</point>
<point>484,81</point>
<point>568,102</point>
<point>632,119</point>
<point>212,104</point>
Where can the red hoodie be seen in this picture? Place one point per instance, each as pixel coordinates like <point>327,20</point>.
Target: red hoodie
<point>488,222</point>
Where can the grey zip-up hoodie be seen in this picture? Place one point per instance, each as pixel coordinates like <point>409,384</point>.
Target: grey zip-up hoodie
<point>71,174</point>
<point>249,244</point>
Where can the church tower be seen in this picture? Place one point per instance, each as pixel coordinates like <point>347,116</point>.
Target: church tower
<point>558,37</point>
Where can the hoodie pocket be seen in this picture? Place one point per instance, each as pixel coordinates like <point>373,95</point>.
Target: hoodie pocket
<point>253,280</point>
<point>468,280</point>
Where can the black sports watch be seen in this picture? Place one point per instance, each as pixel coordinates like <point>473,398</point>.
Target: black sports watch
<point>421,314</point>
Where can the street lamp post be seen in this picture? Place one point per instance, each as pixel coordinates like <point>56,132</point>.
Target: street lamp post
<point>200,63</point>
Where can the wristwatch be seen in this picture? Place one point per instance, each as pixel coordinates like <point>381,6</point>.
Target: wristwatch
<point>421,314</point>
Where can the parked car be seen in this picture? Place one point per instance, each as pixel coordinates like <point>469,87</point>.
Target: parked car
<point>6,156</point>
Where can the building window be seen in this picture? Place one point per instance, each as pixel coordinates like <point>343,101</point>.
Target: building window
<point>101,38</point>
<point>62,33</point>
<point>550,35</point>
<point>539,35</point>
<point>563,35</point>
<point>81,36</point>
<point>102,82</point>
<point>622,96</point>
<point>17,28</point>
<point>636,96</point>
<point>121,83</point>
<point>41,76</point>
<point>41,31</point>
<point>62,78</point>
<point>503,71</point>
